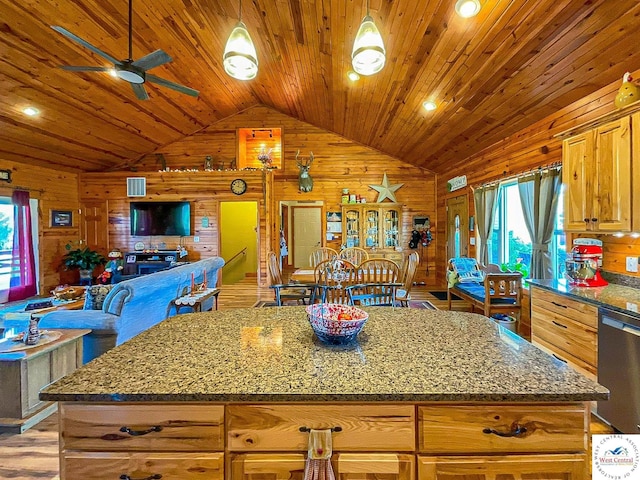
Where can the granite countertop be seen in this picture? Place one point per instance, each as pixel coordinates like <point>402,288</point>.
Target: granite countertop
<point>271,354</point>
<point>615,297</point>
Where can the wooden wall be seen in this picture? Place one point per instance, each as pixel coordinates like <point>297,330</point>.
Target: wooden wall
<point>532,147</point>
<point>339,163</point>
<point>55,190</point>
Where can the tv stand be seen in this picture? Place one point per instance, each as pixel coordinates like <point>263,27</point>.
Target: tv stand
<point>140,263</point>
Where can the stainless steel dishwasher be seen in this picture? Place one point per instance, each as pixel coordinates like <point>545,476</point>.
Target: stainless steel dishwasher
<point>619,369</point>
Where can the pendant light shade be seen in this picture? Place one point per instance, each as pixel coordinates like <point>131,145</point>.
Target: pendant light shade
<point>368,55</point>
<point>240,59</point>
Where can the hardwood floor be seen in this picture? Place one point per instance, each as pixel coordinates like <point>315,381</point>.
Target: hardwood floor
<point>33,455</point>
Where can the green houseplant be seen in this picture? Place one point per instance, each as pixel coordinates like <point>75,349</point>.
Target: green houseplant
<point>84,259</point>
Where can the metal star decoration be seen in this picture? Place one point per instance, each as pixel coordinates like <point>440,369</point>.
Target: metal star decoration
<point>385,190</point>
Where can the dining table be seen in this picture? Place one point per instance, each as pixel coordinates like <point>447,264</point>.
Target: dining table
<point>303,275</point>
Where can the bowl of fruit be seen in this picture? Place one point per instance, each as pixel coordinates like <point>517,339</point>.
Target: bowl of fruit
<point>336,324</point>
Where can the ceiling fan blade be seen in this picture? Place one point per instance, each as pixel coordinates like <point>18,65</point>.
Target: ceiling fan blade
<point>74,68</point>
<point>85,44</point>
<point>140,91</point>
<point>152,60</point>
<point>172,85</point>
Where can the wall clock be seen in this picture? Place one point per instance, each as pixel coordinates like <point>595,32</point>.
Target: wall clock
<point>238,186</point>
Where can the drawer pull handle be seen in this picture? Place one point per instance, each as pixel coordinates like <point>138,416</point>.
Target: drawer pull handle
<point>155,476</point>
<point>561,359</point>
<point>559,305</point>
<point>516,431</point>
<point>558,324</point>
<point>333,429</point>
<point>139,433</point>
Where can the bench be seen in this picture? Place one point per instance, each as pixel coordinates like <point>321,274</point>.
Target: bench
<point>490,293</point>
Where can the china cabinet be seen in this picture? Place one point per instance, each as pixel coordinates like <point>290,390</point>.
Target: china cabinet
<point>373,226</point>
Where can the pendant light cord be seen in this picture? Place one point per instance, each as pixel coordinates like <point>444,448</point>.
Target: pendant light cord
<point>131,30</point>
<point>240,10</point>
<point>367,8</point>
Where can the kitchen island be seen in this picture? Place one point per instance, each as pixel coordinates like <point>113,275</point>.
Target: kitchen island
<point>423,394</point>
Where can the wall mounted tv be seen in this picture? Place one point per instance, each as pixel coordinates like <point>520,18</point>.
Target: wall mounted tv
<point>160,218</point>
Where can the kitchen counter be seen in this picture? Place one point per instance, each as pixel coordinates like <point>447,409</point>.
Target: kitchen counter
<point>616,297</point>
<point>272,355</point>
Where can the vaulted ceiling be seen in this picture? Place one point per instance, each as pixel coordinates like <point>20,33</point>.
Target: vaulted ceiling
<point>491,75</point>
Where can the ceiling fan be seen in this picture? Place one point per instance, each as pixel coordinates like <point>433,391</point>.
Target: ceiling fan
<point>134,72</point>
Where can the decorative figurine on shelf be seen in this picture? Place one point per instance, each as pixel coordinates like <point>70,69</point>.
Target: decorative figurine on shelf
<point>265,157</point>
<point>305,182</point>
<point>629,92</point>
<point>208,163</point>
<point>32,335</point>
<point>113,268</point>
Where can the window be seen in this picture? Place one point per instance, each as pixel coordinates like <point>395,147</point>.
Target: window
<point>510,243</point>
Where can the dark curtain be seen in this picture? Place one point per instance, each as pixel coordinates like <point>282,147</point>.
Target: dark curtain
<point>23,267</point>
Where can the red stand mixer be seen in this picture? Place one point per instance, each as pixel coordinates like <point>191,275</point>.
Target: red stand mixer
<point>584,262</point>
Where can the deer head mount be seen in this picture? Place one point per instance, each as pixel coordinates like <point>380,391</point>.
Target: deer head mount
<point>305,182</point>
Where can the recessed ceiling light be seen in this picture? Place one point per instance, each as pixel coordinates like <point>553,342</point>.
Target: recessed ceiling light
<point>353,76</point>
<point>467,8</point>
<point>429,106</point>
<point>31,111</point>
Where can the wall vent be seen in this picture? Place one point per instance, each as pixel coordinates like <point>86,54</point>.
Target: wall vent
<point>136,187</point>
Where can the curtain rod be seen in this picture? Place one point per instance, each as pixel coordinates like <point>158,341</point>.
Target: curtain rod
<point>18,187</point>
<point>549,166</point>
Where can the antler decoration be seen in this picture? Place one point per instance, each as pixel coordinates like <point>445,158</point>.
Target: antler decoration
<point>305,182</point>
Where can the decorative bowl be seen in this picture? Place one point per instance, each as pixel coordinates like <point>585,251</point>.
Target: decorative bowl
<point>329,326</point>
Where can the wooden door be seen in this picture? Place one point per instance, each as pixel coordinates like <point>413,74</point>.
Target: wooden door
<point>577,176</point>
<point>612,199</point>
<point>512,467</point>
<point>94,225</point>
<point>378,466</point>
<point>270,466</point>
<point>457,227</point>
<point>307,233</point>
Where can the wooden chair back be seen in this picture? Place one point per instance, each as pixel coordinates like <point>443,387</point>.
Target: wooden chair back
<point>332,278</point>
<point>355,255</point>
<point>411,267</point>
<point>373,294</point>
<point>378,280</point>
<point>378,270</point>
<point>503,293</point>
<point>320,255</point>
<point>273,269</point>
<point>300,293</point>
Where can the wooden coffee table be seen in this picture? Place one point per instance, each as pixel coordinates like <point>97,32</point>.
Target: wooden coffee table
<point>23,373</point>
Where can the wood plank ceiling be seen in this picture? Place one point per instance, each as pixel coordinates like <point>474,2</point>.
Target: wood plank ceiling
<point>492,75</point>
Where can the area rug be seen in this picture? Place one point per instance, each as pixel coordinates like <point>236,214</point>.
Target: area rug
<point>443,295</point>
<point>423,304</point>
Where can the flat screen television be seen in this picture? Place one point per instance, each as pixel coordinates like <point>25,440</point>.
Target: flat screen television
<point>160,218</point>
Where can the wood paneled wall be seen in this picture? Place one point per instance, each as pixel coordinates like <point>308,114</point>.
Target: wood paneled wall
<point>339,163</point>
<point>530,148</point>
<point>55,190</point>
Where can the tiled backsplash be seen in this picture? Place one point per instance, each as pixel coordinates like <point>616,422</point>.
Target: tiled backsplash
<point>619,279</point>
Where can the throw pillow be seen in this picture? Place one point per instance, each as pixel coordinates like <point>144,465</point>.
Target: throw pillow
<point>95,295</point>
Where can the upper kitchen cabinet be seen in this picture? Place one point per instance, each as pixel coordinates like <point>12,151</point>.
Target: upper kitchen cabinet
<point>597,177</point>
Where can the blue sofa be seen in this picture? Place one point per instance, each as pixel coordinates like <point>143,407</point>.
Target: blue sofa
<point>131,306</point>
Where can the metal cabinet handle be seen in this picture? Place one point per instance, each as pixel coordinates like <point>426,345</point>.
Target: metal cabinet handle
<point>561,359</point>
<point>586,220</point>
<point>155,476</point>
<point>559,305</point>
<point>594,220</point>
<point>517,430</point>
<point>558,324</point>
<point>139,433</point>
<point>333,429</point>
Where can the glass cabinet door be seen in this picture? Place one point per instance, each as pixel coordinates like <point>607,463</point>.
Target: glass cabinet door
<point>372,229</point>
<point>352,228</point>
<point>391,228</point>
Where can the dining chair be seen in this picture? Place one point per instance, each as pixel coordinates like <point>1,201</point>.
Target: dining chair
<point>355,255</point>
<point>373,294</point>
<point>332,277</point>
<point>378,280</point>
<point>321,254</point>
<point>285,292</point>
<point>411,267</point>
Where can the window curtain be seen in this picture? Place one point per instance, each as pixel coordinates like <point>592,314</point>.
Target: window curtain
<point>539,193</point>
<point>23,269</point>
<point>484,199</point>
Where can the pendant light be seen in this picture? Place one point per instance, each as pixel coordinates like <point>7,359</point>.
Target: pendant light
<point>368,55</point>
<point>240,59</point>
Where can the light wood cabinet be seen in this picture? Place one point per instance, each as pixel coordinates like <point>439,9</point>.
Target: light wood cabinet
<point>597,176</point>
<point>566,328</point>
<point>513,467</point>
<point>374,226</point>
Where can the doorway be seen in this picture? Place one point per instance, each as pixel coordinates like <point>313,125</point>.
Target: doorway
<point>307,233</point>
<point>457,227</point>
<point>239,241</point>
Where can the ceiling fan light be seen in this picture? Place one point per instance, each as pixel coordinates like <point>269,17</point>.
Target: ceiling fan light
<point>129,75</point>
<point>467,8</point>
<point>368,54</point>
<point>30,111</point>
<point>353,76</point>
<point>240,59</point>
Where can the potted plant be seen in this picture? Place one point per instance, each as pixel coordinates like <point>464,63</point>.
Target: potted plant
<point>84,259</point>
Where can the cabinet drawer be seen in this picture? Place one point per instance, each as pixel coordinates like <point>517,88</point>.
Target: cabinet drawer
<point>549,302</point>
<point>364,427</point>
<point>577,364</point>
<point>575,338</point>
<point>180,427</point>
<point>168,466</point>
<point>475,429</point>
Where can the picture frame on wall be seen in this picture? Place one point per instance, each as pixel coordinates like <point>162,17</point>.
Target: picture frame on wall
<point>61,218</point>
